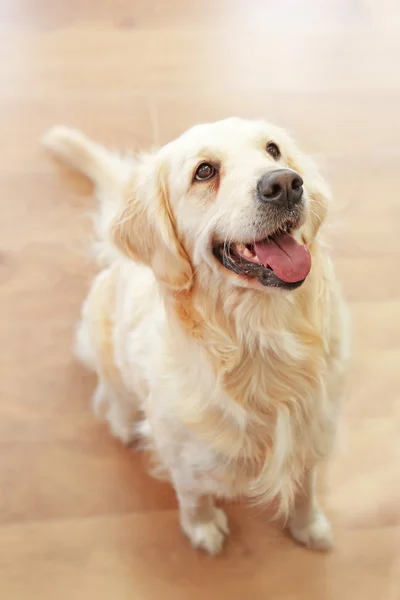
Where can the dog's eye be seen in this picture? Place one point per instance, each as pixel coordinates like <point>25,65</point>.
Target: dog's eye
<point>273,150</point>
<point>204,171</point>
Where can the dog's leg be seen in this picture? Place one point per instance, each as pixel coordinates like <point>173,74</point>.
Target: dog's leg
<point>119,409</point>
<point>308,524</point>
<point>205,525</point>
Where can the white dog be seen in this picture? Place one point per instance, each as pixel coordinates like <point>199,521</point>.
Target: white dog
<point>216,326</point>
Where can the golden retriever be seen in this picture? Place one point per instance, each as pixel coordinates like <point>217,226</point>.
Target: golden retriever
<point>216,326</point>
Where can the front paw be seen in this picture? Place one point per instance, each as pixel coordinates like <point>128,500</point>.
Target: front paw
<point>209,535</point>
<point>316,535</point>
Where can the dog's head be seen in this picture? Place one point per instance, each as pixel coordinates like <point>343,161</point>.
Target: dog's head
<point>235,197</point>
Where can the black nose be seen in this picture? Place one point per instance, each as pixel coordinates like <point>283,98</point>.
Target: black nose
<point>282,188</point>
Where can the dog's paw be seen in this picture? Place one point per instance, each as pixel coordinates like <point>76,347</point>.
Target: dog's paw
<point>122,426</point>
<point>210,535</point>
<point>316,535</point>
<point>126,433</point>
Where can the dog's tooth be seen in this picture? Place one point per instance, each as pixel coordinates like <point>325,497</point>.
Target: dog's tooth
<point>247,253</point>
<point>239,246</point>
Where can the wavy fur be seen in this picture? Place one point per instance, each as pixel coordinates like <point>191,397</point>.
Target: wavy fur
<point>238,387</point>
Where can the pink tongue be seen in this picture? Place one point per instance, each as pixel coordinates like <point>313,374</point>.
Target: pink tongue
<point>289,260</point>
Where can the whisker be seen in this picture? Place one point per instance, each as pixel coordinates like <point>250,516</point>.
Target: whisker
<point>315,214</point>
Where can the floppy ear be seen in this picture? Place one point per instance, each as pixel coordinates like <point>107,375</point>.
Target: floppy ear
<point>145,227</point>
<point>318,192</point>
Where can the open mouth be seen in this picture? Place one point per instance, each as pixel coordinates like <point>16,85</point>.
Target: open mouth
<point>276,261</point>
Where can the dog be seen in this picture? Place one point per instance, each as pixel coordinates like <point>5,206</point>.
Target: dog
<point>216,325</point>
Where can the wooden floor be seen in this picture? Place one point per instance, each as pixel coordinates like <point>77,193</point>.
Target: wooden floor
<point>79,517</point>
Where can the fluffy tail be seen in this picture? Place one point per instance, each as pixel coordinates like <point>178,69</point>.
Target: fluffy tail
<point>108,171</point>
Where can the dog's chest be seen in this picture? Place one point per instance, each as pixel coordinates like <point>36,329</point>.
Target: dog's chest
<point>281,371</point>
<point>278,414</point>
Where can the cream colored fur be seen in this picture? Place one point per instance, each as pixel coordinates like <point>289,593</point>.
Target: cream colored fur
<point>236,387</point>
